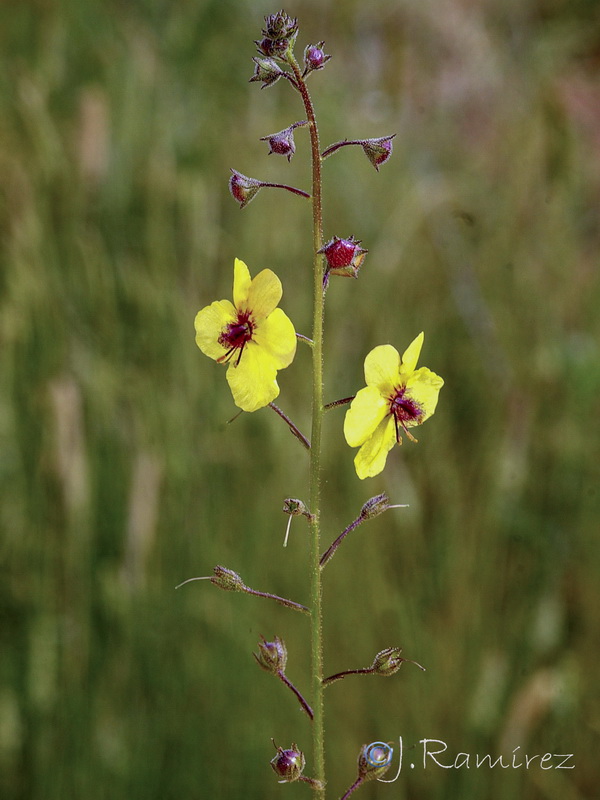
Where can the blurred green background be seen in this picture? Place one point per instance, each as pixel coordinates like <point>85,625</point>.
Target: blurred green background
<point>119,122</point>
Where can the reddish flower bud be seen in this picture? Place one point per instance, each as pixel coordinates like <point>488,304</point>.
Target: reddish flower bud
<point>378,151</point>
<point>344,256</point>
<point>314,57</point>
<point>272,656</point>
<point>282,142</point>
<point>243,188</point>
<point>288,764</point>
<point>267,71</point>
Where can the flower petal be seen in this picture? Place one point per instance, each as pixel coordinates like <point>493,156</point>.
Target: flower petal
<point>382,367</point>
<point>277,337</point>
<point>264,294</point>
<point>367,411</point>
<point>370,459</point>
<point>241,284</point>
<point>209,324</point>
<point>411,354</point>
<point>423,386</point>
<point>253,382</point>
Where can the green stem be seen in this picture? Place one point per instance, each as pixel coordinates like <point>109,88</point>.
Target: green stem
<point>315,451</point>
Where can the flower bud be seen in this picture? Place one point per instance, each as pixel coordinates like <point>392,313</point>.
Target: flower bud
<point>295,507</point>
<point>279,36</point>
<point>344,256</point>
<point>242,188</point>
<point>288,764</point>
<point>374,760</point>
<point>227,579</point>
<point>282,142</point>
<point>375,506</point>
<point>388,662</point>
<point>378,151</point>
<point>280,26</point>
<point>272,656</point>
<point>314,57</point>
<point>267,71</point>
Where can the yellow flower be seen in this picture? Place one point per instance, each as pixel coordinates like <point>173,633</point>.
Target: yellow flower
<point>251,334</point>
<point>397,397</point>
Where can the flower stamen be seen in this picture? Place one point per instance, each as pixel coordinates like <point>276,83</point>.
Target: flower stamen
<point>404,410</point>
<point>236,334</point>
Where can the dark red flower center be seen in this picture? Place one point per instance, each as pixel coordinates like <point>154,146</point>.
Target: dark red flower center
<point>235,335</point>
<point>405,410</point>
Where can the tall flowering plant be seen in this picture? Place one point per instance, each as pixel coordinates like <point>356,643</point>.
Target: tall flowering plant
<point>253,338</point>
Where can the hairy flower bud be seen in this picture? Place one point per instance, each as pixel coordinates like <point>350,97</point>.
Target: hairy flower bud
<point>288,764</point>
<point>388,662</point>
<point>374,760</point>
<point>227,579</point>
<point>280,26</point>
<point>242,188</point>
<point>375,506</point>
<point>279,36</point>
<point>282,142</point>
<point>295,507</point>
<point>314,57</point>
<point>378,151</point>
<point>267,71</point>
<point>344,256</point>
<point>272,656</point>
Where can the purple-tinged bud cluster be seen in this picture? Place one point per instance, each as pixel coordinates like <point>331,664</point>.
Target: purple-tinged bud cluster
<point>279,36</point>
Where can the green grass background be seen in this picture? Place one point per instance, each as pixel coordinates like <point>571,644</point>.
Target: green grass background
<point>119,122</point>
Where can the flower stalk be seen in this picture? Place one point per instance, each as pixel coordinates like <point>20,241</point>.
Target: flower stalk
<point>372,508</point>
<point>316,592</point>
<point>272,657</point>
<point>254,339</point>
<point>230,581</point>
<point>386,663</point>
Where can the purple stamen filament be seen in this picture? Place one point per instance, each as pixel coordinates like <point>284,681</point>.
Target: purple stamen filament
<point>234,336</point>
<point>404,410</point>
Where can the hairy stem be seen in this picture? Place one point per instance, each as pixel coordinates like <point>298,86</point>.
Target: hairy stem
<point>339,675</point>
<point>315,451</point>
<point>283,601</point>
<point>354,786</point>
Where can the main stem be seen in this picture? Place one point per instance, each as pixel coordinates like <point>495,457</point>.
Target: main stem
<point>315,450</point>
